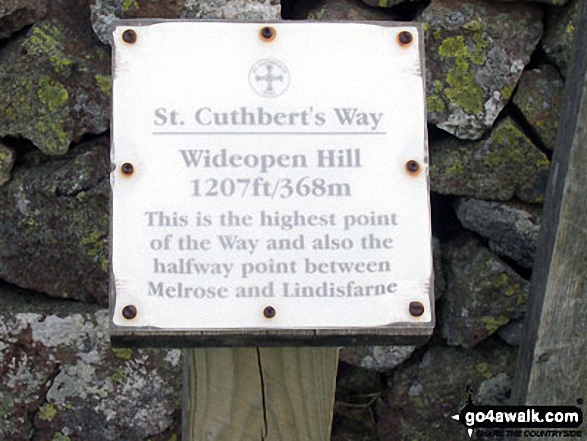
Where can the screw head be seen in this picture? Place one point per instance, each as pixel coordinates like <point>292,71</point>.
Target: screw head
<point>269,312</point>
<point>129,312</point>
<point>127,168</point>
<point>416,309</point>
<point>129,36</point>
<point>267,33</point>
<point>405,38</point>
<point>412,166</point>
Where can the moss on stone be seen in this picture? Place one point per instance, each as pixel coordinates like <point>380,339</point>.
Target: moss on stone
<point>60,437</point>
<point>104,83</point>
<point>47,412</point>
<point>51,93</point>
<point>118,375</point>
<point>127,5</point>
<point>122,353</point>
<point>435,104</point>
<point>508,136</point>
<point>502,281</point>
<point>484,370</point>
<point>456,168</point>
<point>507,91</point>
<point>96,247</point>
<point>492,324</point>
<point>47,41</point>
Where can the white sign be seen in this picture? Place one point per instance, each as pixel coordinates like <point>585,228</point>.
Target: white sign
<point>269,176</point>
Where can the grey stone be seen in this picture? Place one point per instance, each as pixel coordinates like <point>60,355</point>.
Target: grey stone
<point>104,12</point>
<point>483,293</point>
<point>386,3</point>
<point>540,99</point>
<point>242,10</point>
<point>376,358</point>
<point>439,279</point>
<point>55,81</point>
<point>341,10</point>
<point>16,14</point>
<point>425,395</point>
<point>61,379</point>
<point>475,54</point>
<point>512,229</point>
<point>494,391</point>
<point>357,390</point>
<point>512,333</point>
<point>504,165</point>
<point>559,36</point>
<point>54,223</point>
<point>6,163</point>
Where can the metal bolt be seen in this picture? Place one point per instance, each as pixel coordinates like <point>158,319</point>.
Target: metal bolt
<point>129,36</point>
<point>129,312</point>
<point>269,312</point>
<point>416,309</point>
<point>127,168</point>
<point>404,38</point>
<point>412,166</point>
<point>267,33</point>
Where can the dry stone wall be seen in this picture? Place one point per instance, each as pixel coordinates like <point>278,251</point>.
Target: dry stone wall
<point>495,80</point>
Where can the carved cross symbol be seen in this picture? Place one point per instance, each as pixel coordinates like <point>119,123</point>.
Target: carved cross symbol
<point>269,78</point>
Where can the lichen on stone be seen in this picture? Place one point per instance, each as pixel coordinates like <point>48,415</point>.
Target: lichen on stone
<point>504,165</point>
<point>104,83</point>
<point>6,163</point>
<point>46,75</point>
<point>54,223</point>
<point>127,5</point>
<point>409,410</point>
<point>559,38</point>
<point>122,353</point>
<point>61,380</point>
<point>483,293</point>
<point>338,10</point>
<point>475,56</point>
<point>47,412</point>
<point>540,99</point>
<point>16,14</point>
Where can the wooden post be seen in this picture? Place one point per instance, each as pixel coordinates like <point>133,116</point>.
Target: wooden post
<point>262,394</point>
<point>552,366</point>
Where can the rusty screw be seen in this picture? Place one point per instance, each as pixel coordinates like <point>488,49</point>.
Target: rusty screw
<point>416,309</point>
<point>129,312</point>
<point>129,36</point>
<point>412,166</point>
<point>404,38</point>
<point>127,168</point>
<point>267,33</point>
<point>269,312</point>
